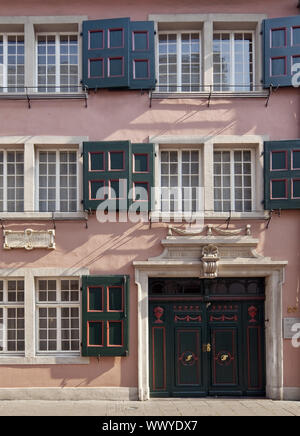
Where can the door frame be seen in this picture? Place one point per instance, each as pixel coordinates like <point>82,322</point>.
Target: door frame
<point>241,261</point>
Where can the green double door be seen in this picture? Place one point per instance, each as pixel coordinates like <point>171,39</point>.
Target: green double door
<point>207,345</point>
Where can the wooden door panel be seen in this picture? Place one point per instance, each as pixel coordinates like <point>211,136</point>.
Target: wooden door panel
<point>224,359</point>
<point>188,357</point>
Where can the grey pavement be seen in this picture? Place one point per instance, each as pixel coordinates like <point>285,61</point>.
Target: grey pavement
<point>153,407</point>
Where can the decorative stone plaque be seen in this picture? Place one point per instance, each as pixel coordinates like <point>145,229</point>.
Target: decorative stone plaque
<point>29,239</point>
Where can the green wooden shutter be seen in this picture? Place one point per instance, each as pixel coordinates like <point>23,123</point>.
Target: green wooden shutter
<point>105,312</point>
<point>105,53</point>
<point>281,41</point>
<point>142,58</point>
<point>142,173</point>
<point>282,174</point>
<point>106,174</point>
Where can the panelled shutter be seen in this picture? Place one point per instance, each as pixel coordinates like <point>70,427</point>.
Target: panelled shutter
<point>282,174</point>
<point>118,53</point>
<point>142,174</point>
<point>142,63</point>
<point>105,315</point>
<point>106,170</point>
<point>281,40</point>
<point>106,53</point>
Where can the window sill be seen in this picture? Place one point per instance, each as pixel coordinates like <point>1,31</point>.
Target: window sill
<point>46,216</point>
<point>156,95</point>
<point>45,96</point>
<point>44,360</point>
<point>179,217</point>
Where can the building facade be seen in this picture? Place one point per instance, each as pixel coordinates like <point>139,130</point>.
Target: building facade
<point>149,199</point>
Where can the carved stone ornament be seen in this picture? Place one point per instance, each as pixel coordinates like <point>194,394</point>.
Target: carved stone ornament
<point>210,258</point>
<point>29,239</point>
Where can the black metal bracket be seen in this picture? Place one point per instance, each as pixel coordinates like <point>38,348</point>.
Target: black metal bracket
<point>150,98</point>
<point>209,96</point>
<point>278,213</point>
<point>228,220</point>
<point>53,221</point>
<point>271,90</point>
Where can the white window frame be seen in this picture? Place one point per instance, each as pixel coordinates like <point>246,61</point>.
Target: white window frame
<point>57,150</point>
<point>179,150</point>
<point>232,174</point>
<point>33,25</point>
<point>255,143</point>
<point>4,85</point>
<point>58,85</point>
<point>58,305</point>
<point>5,174</point>
<point>232,62</point>
<point>178,34</point>
<point>31,355</point>
<point>5,305</point>
<point>30,144</point>
<point>210,23</point>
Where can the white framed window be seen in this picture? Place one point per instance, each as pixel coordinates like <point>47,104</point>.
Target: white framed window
<point>12,62</point>
<point>179,61</point>
<point>57,62</point>
<point>57,175</point>
<point>12,316</point>
<point>11,180</point>
<point>233,180</point>
<point>233,61</point>
<point>225,178</point>
<point>208,53</point>
<point>58,314</point>
<point>180,180</point>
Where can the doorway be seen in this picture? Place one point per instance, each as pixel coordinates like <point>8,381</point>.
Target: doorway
<point>206,337</point>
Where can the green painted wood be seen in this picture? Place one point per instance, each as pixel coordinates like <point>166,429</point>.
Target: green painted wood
<point>106,174</point>
<point>142,176</point>
<point>282,174</point>
<point>105,53</point>
<point>105,318</point>
<point>142,55</point>
<point>281,48</point>
<point>181,326</point>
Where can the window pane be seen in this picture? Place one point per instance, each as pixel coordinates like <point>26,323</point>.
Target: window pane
<point>232,191</point>
<point>12,61</point>
<point>57,60</point>
<point>233,65</point>
<point>68,181</point>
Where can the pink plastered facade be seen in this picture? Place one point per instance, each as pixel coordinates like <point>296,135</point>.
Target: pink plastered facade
<point>84,246</point>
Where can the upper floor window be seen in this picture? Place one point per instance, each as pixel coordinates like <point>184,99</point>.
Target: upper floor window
<point>12,62</point>
<point>233,180</point>
<point>179,58</point>
<point>57,62</point>
<point>233,61</point>
<point>212,53</point>
<point>11,181</point>
<point>57,180</point>
<point>180,180</point>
